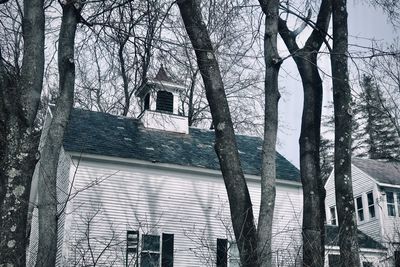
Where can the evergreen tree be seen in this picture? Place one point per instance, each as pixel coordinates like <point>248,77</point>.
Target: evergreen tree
<point>381,138</point>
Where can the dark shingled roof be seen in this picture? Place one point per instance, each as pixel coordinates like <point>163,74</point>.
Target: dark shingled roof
<point>382,171</point>
<point>364,241</point>
<point>109,135</point>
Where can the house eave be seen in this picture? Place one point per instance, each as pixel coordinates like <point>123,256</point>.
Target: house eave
<point>76,156</point>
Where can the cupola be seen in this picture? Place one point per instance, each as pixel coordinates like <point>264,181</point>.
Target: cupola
<point>159,100</point>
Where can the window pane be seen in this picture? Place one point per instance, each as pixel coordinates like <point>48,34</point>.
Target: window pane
<point>150,259</point>
<point>151,242</point>
<point>334,260</point>
<point>234,258</point>
<point>333,215</point>
<point>360,210</point>
<point>389,197</point>
<point>390,204</point>
<point>370,198</point>
<point>371,205</point>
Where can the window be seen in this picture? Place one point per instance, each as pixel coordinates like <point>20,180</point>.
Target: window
<point>165,101</point>
<point>234,257</point>
<point>360,209</point>
<point>150,255</point>
<point>227,256</point>
<point>333,215</point>
<point>152,250</point>
<point>333,260</point>
<point>371,205</point>
<point>390,204</point>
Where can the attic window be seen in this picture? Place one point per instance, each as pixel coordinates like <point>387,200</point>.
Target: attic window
<point>165,101</point>
<point>147,102</point>
<point>390,204</point>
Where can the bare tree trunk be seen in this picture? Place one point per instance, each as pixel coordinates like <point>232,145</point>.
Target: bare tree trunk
<point>19,100</point>
<point>272,95</point>
<point>343,117</point>
<point>47,193</point>
<point>313,189</point>
<point>225,143</point>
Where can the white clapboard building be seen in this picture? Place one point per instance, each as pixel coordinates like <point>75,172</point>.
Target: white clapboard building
<point>148,191</point>
<point>376,190</point>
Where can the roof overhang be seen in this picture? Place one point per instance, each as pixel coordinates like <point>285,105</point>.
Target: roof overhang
<point>128,162</point>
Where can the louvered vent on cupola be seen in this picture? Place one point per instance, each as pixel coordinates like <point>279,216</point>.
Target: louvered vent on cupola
<point>159,98</point>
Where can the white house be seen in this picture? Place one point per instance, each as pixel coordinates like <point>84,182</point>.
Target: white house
<point>149,191</point>
<point>376,190</point>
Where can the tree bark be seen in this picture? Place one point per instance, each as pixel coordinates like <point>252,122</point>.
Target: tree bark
<point>343,117</point>
<point>19,100</point>
<point>272,95</point>
<point>313,188</point>
<point>47,193</point>
<point>225,143</point>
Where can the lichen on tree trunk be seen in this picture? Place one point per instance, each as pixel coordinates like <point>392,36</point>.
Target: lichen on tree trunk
<point>19,101</point>
<point>348,242</point>
<point>47,194</point>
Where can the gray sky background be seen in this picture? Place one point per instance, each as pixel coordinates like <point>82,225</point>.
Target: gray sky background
<point>366,23</point>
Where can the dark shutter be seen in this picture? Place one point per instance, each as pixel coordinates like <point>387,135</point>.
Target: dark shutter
<point>147,102</point>
<point>167,254</point>
<point>165,101</point>
<point>132,241</point>
<point>397,258</point>
<point>222,255</point>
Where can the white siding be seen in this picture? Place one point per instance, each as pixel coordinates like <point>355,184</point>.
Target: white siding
<point>62,186</point>
<point>192,206</point>
<point>362,184</point>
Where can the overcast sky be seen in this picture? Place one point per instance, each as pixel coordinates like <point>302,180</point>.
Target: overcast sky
<point>365,23</point>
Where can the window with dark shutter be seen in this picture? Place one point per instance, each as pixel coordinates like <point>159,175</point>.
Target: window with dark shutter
<point>165,101</point>
<point>222,252</point>
<point>167,254</point>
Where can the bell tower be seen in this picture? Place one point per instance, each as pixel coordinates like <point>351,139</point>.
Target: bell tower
<point>159,100</point>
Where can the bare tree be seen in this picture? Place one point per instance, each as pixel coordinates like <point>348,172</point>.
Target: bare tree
<point>313,187</point>
<point>254,246</point>
<point>268,173</point>
<point>348,241</point>
<point>47,194</point>
<point>225,144</point>
<point>20,97</point>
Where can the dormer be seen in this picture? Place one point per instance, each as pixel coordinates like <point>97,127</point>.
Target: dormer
<point>159,99</point>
